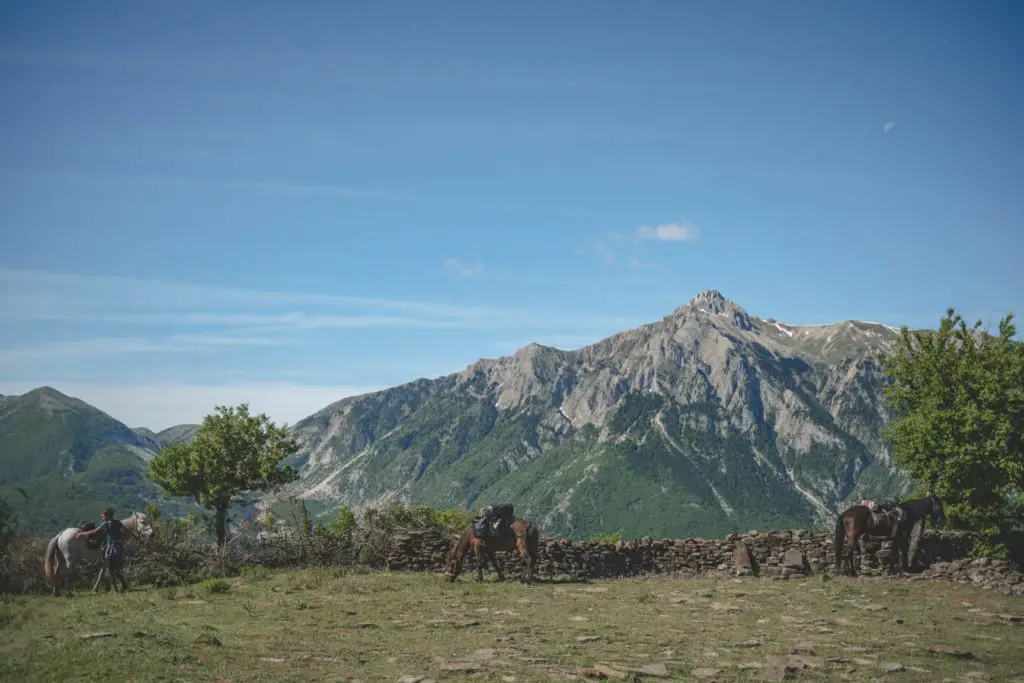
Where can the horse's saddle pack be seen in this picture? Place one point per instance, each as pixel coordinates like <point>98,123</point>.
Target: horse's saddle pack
<point>92,542</point>
<point>891,517</point>
<point>492,521</point>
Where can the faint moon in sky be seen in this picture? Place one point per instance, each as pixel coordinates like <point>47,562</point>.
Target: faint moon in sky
<point>889,125</point>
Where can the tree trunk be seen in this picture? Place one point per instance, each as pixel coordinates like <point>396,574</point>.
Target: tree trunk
<point>220,524</point>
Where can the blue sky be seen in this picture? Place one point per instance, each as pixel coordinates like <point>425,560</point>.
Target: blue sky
<point>287,204</point>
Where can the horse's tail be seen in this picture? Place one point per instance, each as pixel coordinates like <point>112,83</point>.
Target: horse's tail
<point>838,543</point>
<point>49,559</point>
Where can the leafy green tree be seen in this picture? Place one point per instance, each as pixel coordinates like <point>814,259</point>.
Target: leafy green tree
<point>343,522</point>
<point>957,396</point>
<point>233,454</point>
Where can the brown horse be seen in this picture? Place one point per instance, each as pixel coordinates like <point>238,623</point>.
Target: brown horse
<point>524,538</point>
<point>860,520</point>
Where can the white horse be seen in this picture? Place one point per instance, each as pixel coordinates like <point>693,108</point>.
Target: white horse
<point>64,551</point>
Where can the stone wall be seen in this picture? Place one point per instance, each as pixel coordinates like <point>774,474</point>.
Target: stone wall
<point>782,554</point>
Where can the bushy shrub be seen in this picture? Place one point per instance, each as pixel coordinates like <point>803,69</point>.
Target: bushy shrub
<point>183,551</point>
<point>613,537</point>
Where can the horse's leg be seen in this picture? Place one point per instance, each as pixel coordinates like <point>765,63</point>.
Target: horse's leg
<point>894,555</point>
<point>524,552</point>
<point>916,535</point>
<point>478,555</point>
<point>69,578</point>
<point>494,563</point>
<point>58,573</point>
<point>852,544</point>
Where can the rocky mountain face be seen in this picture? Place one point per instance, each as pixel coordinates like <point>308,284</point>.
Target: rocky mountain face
<point>706,422</point>
<point>63,460</point>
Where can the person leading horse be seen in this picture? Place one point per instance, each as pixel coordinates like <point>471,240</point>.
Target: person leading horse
<point>113,549</point>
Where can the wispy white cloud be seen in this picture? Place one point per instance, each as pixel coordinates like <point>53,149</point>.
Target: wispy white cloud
<point>682,231</point>
<point>222,315</point>
<point>336,191</point>
<point>38,292</point>
<point>620,248</point>
<point>161,405</point>
<point>110,346</point>
<point>259,322</point>
<point>637,264</point>
<point>889,125</point>
<point>474,269</point>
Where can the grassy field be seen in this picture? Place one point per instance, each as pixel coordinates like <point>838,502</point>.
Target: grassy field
<point>322,625</point>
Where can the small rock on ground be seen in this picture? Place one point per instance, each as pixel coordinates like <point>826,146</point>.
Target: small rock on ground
<point>601,672</point>
<point>465,667</point>
<point>655,670</point>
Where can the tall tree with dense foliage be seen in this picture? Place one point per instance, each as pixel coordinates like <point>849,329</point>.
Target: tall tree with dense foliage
<point>233,454</point>
<point>957,396</point>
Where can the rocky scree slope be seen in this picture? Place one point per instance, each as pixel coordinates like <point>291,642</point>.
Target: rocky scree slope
<point>707,422</point>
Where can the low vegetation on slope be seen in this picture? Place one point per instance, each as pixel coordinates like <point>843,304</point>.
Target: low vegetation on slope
<point>332,625</point>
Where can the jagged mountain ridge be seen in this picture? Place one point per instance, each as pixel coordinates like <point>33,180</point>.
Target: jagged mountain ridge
<point>707,421</point>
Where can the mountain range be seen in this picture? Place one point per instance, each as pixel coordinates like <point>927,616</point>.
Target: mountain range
<point>708,421</point>
<point>705,422</point>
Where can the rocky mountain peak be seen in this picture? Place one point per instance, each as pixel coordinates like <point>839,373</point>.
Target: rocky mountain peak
<point>712,302</point>
<point>532,349</point>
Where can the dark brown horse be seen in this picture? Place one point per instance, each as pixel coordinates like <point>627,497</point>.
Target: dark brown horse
<point>860,520</point>
<point>525,538</point>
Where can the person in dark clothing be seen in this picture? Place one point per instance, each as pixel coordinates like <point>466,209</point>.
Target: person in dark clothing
<point>113,549</point>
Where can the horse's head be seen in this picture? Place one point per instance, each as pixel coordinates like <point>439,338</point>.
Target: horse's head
<point>453,566</point>
<point>139,525</point>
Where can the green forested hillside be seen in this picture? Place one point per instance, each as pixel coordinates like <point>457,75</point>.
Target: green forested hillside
<point>62,461</point>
